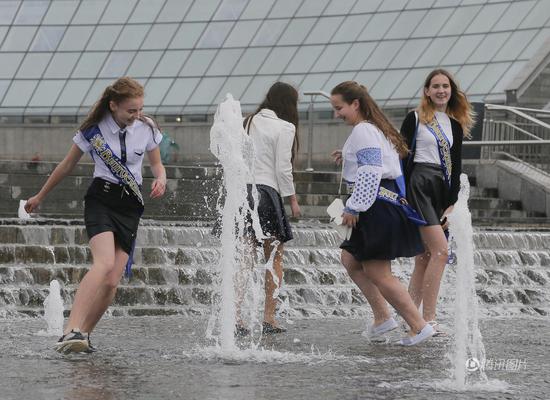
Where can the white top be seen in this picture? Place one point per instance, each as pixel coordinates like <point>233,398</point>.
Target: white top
<point>427,150</point>
<point>139,139</point>
<point>272,139</point>
<point>368,157</point>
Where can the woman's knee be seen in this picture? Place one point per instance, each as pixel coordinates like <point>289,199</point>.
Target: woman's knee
<point>350,264</point>
<point>108,272</point>
<point>441,254</point>
<point>112,280</point>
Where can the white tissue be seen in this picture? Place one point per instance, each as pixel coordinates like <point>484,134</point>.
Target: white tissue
<point>22,213</point>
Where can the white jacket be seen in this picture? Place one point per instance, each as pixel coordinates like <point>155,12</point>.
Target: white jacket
<point>272,138</point>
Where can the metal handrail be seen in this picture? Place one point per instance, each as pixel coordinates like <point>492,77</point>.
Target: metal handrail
<point>519,112</point>
<point>510,108</point>
<point>504,142</point>
<point>312,95</point>
<point>517,128</point>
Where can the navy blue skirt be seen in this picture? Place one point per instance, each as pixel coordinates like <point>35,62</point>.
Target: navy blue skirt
<point>384,232</point>
<point>108,209</point>
<point>271,212</point>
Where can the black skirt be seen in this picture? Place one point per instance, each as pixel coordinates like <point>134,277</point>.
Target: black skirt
<point>384,232</point>
<point>271,212</point>
<point>109,207</point>
<point>427,192</point>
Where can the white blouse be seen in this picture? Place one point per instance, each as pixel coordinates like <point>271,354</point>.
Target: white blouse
<point>139,139</point>
<point>272,139</point>
<point>368,157</point>
<point>427,149</point>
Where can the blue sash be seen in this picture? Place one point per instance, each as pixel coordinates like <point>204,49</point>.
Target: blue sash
<point>397,199</point>
<point>444,148</point>
<point>118,169</point>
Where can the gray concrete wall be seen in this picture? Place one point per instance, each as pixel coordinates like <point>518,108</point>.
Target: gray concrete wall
<point>518,182</point>
<point>51,142</point>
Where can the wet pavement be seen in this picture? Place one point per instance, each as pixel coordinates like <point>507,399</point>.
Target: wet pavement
<point>169,358</point>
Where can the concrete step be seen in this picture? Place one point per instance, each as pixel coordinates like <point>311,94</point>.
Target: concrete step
<point>44,168</point>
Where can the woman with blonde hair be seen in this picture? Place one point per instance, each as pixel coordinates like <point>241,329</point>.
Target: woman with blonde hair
<point>116,134</point>
<point>434,134</point>
<point>383,226</point>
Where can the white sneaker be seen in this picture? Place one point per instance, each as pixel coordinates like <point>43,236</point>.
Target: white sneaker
<point>438,331</point>
<point>427,332</point>
<point>377,332</point>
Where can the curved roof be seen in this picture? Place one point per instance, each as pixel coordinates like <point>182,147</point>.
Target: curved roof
<point>57,55</point>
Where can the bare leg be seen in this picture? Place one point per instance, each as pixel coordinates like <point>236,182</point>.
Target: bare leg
<point>355,271</point>
<point>103,252</point>
<point>270,284</point>
<point>242,276</point>
<point>436,247</point>
<point>106,293</point>
<point>417,277</point>
<point>379,272</point>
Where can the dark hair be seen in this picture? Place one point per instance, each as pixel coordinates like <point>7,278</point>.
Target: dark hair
<point>458,106</point>
<point>120,90</point>
<point>350,91</point>
<point>282,99</point>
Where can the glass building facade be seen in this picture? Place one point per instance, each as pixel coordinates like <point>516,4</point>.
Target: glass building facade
<point>56,56</point>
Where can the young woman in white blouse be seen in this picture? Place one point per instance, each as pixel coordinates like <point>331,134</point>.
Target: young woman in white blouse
<point>273,128</point>
<point>384,227</point>
<point>434,134</point>
<point>117,136</point>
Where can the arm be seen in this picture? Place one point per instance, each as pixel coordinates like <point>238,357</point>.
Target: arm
<point>408,129</point>
<point>367,181</point>
<point>283,164</point>
<point>63,169</point>
<point>159,184</point>
<point>368,152</point>
<point>283,168</point>
<point>456,161</point>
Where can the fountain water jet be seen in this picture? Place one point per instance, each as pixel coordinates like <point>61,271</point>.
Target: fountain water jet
<point>233,148</point>
<point>469,352</point>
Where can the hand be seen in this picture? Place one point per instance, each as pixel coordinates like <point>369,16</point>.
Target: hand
<point>444,219</point>
<point>336,156</point>
<point>32,204</point>
<point>295,208</point>
<point>158,187</point>
<point>350,219</point>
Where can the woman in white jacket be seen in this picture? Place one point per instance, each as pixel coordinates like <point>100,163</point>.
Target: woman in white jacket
<point>273,129</point>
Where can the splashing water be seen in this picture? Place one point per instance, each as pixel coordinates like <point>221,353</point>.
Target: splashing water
<point>233,148</point>
<point>469,353</point>
<point>53,310</point>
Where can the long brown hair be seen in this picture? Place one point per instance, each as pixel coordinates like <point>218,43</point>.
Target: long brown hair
<point>458,106</point>
<point>120,90</point>
<point>282,99</point>
<point>350,91</point>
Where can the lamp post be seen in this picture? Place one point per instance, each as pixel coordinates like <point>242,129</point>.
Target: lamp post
<point>312,95</point>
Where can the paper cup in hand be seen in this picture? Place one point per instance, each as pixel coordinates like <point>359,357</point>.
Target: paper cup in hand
<point>22,213</point>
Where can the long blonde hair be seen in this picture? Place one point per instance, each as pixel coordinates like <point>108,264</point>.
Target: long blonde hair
<point>350,91</point>
<point>120,90</point>
<point>458,106</point>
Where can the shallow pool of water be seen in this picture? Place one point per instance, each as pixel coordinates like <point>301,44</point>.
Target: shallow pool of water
<point>168,358</point>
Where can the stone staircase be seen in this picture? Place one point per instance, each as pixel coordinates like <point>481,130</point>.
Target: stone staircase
<point>176,265</point>
<point>193,191</point>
